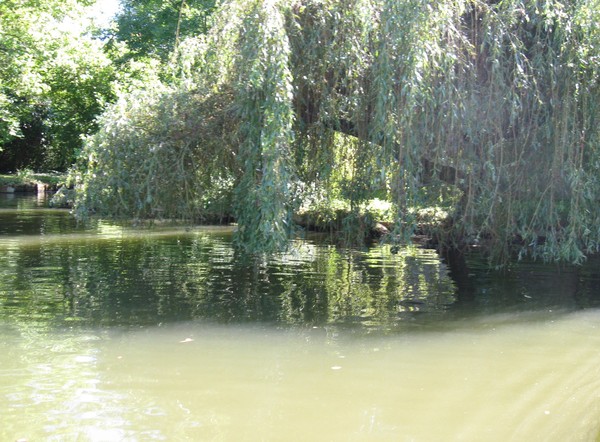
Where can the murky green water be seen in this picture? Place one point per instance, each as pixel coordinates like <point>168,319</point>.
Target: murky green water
<point>113,333</point>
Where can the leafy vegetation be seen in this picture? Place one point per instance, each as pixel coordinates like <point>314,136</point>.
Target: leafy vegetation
<point>155,27</point>
<point>489,108</point>
<point>54,81</point>
<point>58,71</point>
<point>473,121</point>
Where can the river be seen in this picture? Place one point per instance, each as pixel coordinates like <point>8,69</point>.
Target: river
<point>109,332</point>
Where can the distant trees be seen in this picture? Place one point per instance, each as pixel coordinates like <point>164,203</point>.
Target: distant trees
<point>488,108</point>
<point>153,27</point>
<point>54,81</point>
<point>57,73</point>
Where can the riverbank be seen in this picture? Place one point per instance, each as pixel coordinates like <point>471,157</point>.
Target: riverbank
<point>374,220</point>
<point>30,182</point>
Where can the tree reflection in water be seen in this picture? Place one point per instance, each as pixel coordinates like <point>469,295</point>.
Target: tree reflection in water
<point>55,272</point>
<point>156,276</point>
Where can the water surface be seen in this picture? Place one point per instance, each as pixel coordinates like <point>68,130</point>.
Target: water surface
<point>109,332</point>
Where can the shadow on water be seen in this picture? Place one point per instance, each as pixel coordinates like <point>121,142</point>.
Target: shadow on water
<point>526,285</point>
<point>164,277</point>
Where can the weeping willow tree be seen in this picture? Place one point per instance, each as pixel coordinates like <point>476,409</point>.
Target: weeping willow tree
<point>493,102</point>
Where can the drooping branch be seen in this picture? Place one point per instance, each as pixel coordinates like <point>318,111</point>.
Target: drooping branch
<point>496,99</point>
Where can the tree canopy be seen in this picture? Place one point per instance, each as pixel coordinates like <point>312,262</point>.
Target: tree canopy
<point>154,27</point>
<point>490,106</point>
<point>54,80</point>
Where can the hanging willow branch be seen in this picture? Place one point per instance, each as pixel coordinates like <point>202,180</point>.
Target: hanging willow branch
<point>264,94</point>
<point>495,100</point>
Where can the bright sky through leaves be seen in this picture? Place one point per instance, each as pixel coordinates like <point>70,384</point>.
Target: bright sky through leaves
<point>104,10</point>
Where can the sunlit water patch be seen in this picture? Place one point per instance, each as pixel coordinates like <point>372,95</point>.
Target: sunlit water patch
<point>506,377</point>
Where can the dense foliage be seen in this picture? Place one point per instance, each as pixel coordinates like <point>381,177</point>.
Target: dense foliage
<point>154,27</point>
<point>54,81</point>
<point>490,105</point>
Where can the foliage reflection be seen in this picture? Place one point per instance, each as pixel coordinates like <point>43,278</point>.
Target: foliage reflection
<point>159,276</point>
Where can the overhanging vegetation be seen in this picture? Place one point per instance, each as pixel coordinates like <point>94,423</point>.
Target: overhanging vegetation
<point>489,105</point>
